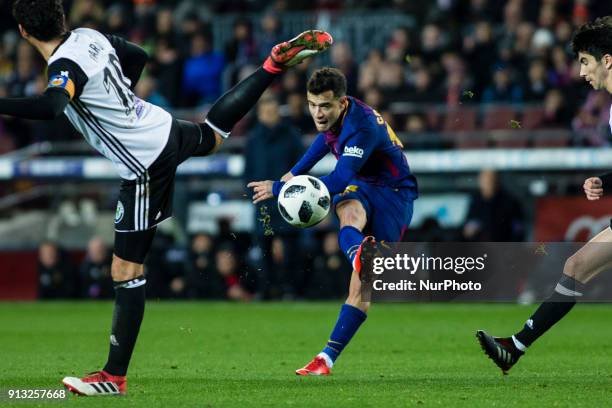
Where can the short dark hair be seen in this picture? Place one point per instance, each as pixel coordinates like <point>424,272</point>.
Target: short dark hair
<point>594,38</point>
<point>327,79</point>
<point>42,19</point>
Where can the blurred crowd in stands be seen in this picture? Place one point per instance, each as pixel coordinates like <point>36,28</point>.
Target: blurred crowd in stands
<point>275,261</point>
<point>434,76</point>
<point>213,268</point>
<point>466,66</point>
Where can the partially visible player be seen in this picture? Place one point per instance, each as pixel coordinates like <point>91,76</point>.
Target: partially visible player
<point>374,190</point>
<point>91,81</point>
<point>592,43</point>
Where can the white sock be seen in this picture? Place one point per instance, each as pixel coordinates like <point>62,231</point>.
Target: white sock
<point>327,359</point>
<point>519,345</point>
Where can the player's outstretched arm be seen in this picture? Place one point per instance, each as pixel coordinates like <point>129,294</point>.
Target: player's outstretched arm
<point>317,150</point>
<point>593,188</point>
<point>131,57</point>
<point>49,105</point>
<point>66,80</point>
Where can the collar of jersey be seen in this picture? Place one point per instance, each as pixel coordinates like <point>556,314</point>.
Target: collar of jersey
<point>66,36</point>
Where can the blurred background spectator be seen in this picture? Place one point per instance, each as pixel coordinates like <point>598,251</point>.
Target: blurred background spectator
<point>227,267</point>
<point>56,274</point>
<point>494,215</point>
<point>203,71</point>
<point>95,271</point>
<point>330,271</point>
<point>202,281</point>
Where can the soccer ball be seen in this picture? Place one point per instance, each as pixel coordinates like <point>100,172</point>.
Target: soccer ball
<point>304,201</point>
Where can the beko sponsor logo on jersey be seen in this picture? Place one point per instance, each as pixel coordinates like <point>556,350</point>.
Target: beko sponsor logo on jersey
<point>353,151</point>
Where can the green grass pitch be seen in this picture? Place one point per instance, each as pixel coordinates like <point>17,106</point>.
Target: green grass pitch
<point>237,355</point>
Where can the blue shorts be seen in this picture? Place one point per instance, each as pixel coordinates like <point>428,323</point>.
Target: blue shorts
<point>389,210</point>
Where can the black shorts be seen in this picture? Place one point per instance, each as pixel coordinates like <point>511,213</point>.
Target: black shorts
<point>147,201</point>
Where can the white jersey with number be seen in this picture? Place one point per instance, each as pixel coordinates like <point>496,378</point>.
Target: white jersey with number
<point>125,129</point>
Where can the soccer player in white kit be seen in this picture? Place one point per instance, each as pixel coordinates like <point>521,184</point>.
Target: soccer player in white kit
<point>91,81</point>
<point>592,43</point>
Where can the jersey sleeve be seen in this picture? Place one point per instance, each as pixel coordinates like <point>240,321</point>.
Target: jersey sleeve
<point>317,150</point>
<point>357,150</point>
<point>131,57</point>
<point>65,75</point>
<point>49,105</point>
<point>606,180</point>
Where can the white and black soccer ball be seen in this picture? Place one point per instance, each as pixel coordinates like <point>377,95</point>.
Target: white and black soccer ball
<point>304,201</point>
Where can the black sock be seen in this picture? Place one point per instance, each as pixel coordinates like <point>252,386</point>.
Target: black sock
<point>127,316</point>
<point>551,311</point>
<point>236,102</point>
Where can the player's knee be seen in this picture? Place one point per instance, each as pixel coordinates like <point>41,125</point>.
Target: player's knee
<point>353,214</point>
<point>575,267</point>
<point>122,270</point>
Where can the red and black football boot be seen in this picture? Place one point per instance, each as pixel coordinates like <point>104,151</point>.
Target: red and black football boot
<point>96,384</point>
<point>501,350</point>
<point>296,50</point>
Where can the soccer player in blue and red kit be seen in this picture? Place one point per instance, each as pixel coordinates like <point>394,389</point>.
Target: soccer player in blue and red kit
<point>372,186</point>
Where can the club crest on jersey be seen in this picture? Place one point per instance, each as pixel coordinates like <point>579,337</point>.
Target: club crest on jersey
<point>119,212</point>
<point>59,81</point>
<point>353,151</point>
<point>349,189</point>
